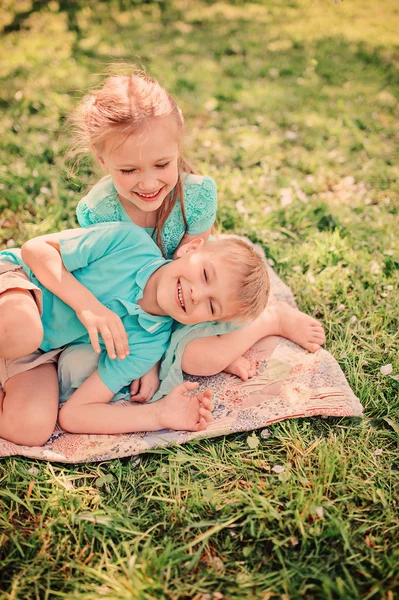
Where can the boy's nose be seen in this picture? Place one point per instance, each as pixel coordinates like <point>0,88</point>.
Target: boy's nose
<point>196,295</point>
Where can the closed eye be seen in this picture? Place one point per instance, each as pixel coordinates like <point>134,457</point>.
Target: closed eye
<point>127,171</point>
<point>163,166</point>
<point>211,307</point>
<point>205,276</point>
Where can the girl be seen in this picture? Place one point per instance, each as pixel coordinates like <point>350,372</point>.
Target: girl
<point>134,129</point>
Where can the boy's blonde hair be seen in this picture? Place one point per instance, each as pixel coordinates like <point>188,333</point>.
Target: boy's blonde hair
<point>251,286</point>
<point>121,106</point>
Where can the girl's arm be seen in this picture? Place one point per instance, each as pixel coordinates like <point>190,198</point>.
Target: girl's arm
<point>42,255</point>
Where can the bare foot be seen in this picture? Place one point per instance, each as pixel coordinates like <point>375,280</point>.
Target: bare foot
<point>281,319</point>
<point>242,367</point>
<point>184,412</point>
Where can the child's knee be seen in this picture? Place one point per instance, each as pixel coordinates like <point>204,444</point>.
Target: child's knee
<point>32,428</point>
<point>21,330</point>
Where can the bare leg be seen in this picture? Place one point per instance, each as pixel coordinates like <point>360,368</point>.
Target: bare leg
<point>207,356</point>
<point>29,406</point>
<point>21,330</point>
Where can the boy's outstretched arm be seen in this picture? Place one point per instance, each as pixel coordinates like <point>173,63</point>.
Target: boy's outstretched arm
<point>88,410</point>
<point>211,355</point>
<point>42,255</point>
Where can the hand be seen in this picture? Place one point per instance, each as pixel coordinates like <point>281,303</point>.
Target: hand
<point>100,319</point>
<point>143,389</point>
<point>242,367</point>
<point>185,409</point>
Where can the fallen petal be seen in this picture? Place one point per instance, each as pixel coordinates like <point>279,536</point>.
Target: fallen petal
<point>386,369</point>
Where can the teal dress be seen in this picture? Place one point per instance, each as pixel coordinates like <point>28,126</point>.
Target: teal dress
<point>102,205</point>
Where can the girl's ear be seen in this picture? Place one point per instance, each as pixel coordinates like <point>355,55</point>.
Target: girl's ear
<point>99,157</point>
<point>190,246</point>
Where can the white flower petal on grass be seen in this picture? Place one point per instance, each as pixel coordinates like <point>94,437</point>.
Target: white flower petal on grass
<point>240,207</point>
<point>286,196</point>
<point>33,470</point>
<point>278,469</point>
<point>386,369</point>
<point>319,512</point>
<point>211,104</point>
<point>265,434</point>
<point>378,452</point>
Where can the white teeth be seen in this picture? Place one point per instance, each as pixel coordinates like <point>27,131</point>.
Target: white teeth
<point>180,295</point>
<point>148,195</point>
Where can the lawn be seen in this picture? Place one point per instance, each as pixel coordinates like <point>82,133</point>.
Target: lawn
<point>292,106</point>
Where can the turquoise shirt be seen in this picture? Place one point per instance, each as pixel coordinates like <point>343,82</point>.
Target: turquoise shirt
<point>114,261</point>
<point>200,202</point>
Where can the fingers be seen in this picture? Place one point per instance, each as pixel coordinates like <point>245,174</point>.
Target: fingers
<point>134,387</point>
<point>200,426</point>
<point>120,339</point>
<point>115,339</point>
<point>205,414</point>
<point>93,335</point>
<point>206,403</point>
<point>187,386</point>
<point>108,341</point>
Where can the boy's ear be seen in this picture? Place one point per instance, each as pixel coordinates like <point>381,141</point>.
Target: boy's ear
<point>191,246</point>
<point>99,157</point>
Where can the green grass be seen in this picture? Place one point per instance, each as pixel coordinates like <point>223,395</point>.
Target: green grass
<point>297,96</point>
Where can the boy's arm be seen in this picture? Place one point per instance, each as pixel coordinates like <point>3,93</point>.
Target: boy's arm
<point>210,355</point>
<point>43,256</point>
<point>88,411</point>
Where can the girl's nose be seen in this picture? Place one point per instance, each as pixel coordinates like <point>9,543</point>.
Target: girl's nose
<point>147,183</point>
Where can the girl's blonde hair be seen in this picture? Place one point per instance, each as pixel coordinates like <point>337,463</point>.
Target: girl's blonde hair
<point>121,106</point>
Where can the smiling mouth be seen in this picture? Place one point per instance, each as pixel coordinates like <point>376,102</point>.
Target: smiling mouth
<point>180,295</point>
<point>149,197</point>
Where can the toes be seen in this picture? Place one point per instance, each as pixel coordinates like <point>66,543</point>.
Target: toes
<point>313,347</point>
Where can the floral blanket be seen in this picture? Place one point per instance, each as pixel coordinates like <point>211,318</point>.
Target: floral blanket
<point>290,383</point>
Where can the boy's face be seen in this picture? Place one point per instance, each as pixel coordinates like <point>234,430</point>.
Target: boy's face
<point>197,287</point>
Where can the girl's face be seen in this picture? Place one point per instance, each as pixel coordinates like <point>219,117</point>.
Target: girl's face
<point>144,167</point>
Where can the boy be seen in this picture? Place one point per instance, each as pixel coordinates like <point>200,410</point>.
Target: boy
<point>111,279</point>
